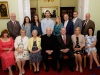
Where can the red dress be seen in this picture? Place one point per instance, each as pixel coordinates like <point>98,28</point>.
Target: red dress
<point>7,59</point>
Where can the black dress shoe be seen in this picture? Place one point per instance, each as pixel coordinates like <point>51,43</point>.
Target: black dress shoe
<point>55,69</point>
<point>46,70</point>
<point>38,71</point>
<point>35,72</point>
<point>90,69</point>
<point>98,67</point>
<point>59,70</point>
<point>71,69</point>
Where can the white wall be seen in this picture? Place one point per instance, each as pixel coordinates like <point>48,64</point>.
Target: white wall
<point>94,10</point>
<point>69,3</point>
<point>13,8</point>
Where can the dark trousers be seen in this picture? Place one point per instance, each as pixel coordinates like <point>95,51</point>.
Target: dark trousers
<point>71,60</point>
<point>46,62</point>
<point>98,52</point>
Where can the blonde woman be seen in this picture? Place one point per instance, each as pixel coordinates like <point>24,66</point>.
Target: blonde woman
<point>57,27</point>
<point>21,51</point>
<point>78,44</point>
<point>34,47</point>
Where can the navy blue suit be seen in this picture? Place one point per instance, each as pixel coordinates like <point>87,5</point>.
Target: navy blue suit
<point>69,28</point>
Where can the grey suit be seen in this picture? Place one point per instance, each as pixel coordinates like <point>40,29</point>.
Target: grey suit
<point>13,31</point>
<point>78,23</point>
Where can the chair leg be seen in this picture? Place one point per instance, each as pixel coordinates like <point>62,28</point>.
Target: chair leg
<point>57,65</point>
<point>84,61</point>
<point>44,66</point>
<point>30,65</point>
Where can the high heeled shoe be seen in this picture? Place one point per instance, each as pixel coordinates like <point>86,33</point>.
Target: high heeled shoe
<point>90,69</point>
<point>34,71</point>
<point>81,70</point>
<point>20,74</point>
<point>76,69</point>
<point>38,71</point>
<point>98,67</point>
<point>23,72</point>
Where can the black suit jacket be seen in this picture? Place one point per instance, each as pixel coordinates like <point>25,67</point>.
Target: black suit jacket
<point>14,32</point>
<point>68,45</point>
<point>49,43</point>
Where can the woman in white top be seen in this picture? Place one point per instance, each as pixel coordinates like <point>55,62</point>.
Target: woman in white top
<point>21,51</point>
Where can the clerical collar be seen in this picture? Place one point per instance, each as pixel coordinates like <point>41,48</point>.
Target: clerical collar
<point>49,35</point>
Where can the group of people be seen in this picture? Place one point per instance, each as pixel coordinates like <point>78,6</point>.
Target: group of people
<point>36,41</point>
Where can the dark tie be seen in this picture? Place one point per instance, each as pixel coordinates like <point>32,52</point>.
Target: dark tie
<point>64,39</point>
<point>85,24</point>
<point>15,25</point>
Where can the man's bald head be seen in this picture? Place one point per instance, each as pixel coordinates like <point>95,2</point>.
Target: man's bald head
<point>87,16</point>
<point>13,16</point>
<point>48,31</point>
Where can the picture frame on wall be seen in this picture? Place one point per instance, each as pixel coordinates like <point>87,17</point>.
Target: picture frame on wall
<point>4,10</point>
<point>66,10</point>
<point>53,11</point>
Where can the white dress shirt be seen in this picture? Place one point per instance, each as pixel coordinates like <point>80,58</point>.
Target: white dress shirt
<point>14,22</point>
<point>74,20</point>
<point>65,23</point>
<point>86,21</point>
<point>45,23</point>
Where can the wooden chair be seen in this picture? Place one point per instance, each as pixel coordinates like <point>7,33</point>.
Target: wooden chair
<point>49,58</point>
<point>30,65</point>
<point>85,56</point>
<point>66,57</point>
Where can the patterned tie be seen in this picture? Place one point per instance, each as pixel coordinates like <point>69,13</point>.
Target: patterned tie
<point>84,25</point>
<point>83,28</point>
<point>64,39</point>
<point>15,25</point>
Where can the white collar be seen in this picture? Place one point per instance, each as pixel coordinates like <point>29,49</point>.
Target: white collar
<point>67,21</point>
<point>13,21</point>
<point>75,18</point>
<point>63,35</point>
<point>86,21</point>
